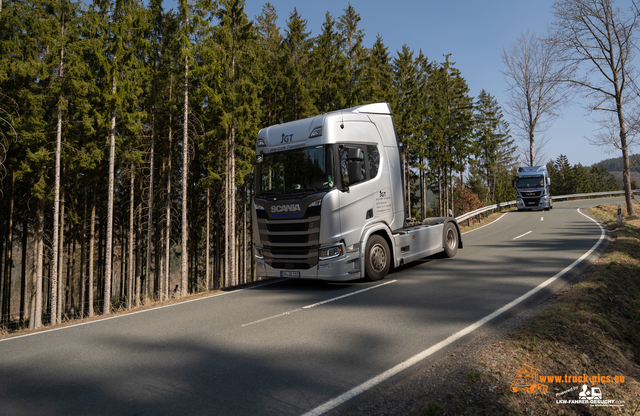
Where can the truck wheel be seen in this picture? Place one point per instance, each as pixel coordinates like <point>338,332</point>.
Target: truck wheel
<point>450,238</point>
<point>377,258</point>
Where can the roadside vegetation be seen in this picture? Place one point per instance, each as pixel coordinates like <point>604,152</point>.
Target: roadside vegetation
<point>592,327</point>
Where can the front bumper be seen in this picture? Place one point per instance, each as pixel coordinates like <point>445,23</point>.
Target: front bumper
<point>345,268</point>
<point>543,202</point>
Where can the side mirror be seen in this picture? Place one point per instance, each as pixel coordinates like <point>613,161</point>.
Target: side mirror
<point>354,166</point>
<point>548,181</point>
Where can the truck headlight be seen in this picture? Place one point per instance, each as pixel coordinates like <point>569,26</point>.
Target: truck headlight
<point>326,253</point>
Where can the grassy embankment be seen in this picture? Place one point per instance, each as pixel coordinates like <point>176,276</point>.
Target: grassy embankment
<point>592,327</point>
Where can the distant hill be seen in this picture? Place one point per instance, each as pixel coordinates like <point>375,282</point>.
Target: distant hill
<point>614,166</point>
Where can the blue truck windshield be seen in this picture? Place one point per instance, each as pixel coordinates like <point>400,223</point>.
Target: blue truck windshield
<point>304,170</point>
<point>530,182</point>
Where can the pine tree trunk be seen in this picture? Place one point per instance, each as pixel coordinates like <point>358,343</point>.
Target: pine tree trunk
<point>109,244</point>
<point>167,246</point>
<point>227,178</point>
<point>83,255</point>
<point>147,289</point>
<point>92,243</point>
<point>452,212</point>
<point>2,254</point>
<point>6,287</point>
<point>56,215</point>
<point>55,314</point>
<point>37,316</point>
<point>232,209</point>
<point>207,268</point>
<point>60,276</point>
<point>244,233</point>
<point>132,236</point>
<point>138,262</point>
<point>71,266</point>
<point>440,207</point>
<point>23,281</point>
<point>185,176</point>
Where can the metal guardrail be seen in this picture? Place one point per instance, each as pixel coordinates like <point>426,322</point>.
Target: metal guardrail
<point>482,210</point>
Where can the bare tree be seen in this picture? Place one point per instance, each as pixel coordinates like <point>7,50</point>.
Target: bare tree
<point>596,41</point>
<point>535,88</point>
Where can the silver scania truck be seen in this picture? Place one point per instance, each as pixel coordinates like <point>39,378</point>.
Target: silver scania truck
<point>329,200</point>
<point>533,186</point>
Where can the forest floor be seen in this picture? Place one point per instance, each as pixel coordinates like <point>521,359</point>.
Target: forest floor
<point>590,328</point>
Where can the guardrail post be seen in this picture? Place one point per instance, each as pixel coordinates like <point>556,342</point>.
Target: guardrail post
<point>619,215</point>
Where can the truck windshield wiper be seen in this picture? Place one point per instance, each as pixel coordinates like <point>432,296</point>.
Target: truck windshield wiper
<point>271,193</point>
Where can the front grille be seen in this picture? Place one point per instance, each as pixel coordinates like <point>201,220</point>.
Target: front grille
<point>531,194</point>
<point>289,232</point>
<point>289,239</point>
<point>296,251</point>
<point>301,266</point>
<point>284,227</point>
<point>531,202</point>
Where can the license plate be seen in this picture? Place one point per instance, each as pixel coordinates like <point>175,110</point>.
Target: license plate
<point>290,275</point>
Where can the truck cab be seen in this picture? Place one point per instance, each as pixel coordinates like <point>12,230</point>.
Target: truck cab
<point>329,200</point>
<point>533,186</point>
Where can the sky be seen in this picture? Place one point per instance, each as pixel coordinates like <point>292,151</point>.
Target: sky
<point>474,32</point>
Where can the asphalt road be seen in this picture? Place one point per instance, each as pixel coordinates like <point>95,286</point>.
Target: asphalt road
<point>290,347</point>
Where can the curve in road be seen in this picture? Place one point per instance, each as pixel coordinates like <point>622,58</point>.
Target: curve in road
<point>292,347</point>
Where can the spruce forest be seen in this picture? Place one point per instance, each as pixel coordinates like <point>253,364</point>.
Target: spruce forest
<point>127,136</point>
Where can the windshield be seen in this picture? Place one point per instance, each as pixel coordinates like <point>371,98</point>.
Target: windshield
<point>303,170</point>
<point>532,182</point>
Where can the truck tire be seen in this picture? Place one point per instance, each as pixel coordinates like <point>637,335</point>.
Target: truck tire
<point>450,240</point>
<point>377,258</point>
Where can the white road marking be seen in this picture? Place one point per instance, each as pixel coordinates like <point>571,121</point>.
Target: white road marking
<point>347,295</point>
<point>333,403</point>
<point>272,317</point>
<point>317,304</point>
<point>541,218</point>
<point>520,236</point>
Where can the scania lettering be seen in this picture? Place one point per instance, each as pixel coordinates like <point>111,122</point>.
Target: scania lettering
<point>329,205</point>
<point>533,186</point>
<point>285,208</point>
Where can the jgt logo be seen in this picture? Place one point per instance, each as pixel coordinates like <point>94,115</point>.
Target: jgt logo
<point>285,208</point>
<point>286,138</point>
